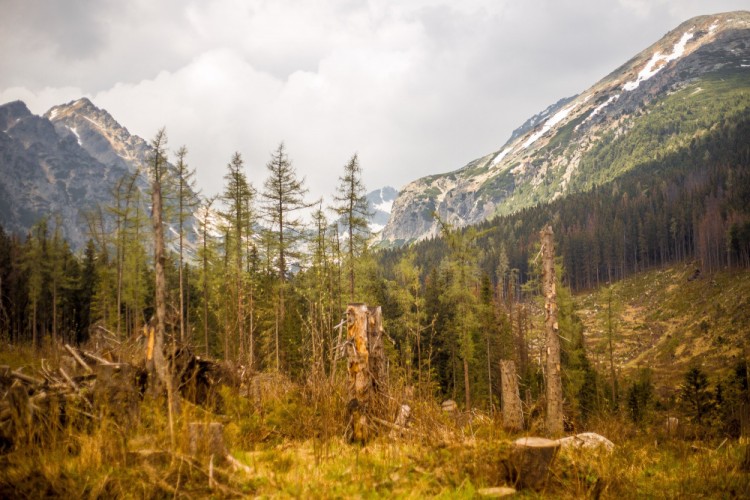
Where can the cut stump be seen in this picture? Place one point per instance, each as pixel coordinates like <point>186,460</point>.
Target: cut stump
<point>530,460</point>
<point>206,439</point>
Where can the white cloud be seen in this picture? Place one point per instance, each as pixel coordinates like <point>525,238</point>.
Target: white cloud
<point>415,87</point>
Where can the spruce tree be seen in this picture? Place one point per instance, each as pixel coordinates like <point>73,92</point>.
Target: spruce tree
<point>283,199</point>
<point>238,216</point>
<point>187,201</point>
<point>353,212</point>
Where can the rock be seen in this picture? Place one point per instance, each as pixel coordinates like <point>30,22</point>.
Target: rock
<point>496,492</point>
<point>586,440</point>
<point>449,406</point>
<point>530,460</point>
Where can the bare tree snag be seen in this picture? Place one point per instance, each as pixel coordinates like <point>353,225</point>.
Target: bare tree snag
<point>554,382</point>
<point>367,370</point>
<point>511,399</point>
<point>530,460</point>
<point>360,380</point>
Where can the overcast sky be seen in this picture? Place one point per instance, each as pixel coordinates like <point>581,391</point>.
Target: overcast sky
<point>415,87</point>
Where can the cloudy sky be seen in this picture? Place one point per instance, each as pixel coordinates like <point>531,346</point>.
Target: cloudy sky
<point>415,87</point>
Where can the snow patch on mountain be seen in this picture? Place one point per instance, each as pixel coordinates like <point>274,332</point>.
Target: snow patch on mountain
<point>557,118</point>
<point>501,155</point>
<point>654,66</point>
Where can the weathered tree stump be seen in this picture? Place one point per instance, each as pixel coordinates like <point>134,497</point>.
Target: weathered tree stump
<point>511,398</point>
<point>366,369</point>
<point>115,394</point>
<point>530,460</point>
<point>206,439</point>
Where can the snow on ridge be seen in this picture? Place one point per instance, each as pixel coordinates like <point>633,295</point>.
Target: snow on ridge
<point>601,107</point>
<point>75,132</point>
<point>651,67</point>
<point>385,206</point>
<point>501,155</point>
<point>713,26</point>
<point>53,113</point>
<point>557,118</point>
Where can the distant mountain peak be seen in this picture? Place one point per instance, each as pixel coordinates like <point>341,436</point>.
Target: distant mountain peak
<point>99,133</point>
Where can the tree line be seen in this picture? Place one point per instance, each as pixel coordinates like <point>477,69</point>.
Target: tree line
<point>265,278</point>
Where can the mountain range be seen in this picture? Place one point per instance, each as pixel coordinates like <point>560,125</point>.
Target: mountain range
<point>65,163</point>
<point>631,116</point>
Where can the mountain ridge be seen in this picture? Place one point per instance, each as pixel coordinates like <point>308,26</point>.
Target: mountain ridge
<point>541,160</point>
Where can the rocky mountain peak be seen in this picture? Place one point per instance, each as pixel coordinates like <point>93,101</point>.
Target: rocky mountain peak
<point>11,113</point>
<point>99,133</point>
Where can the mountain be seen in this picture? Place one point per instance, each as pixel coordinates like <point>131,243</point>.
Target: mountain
<point>630,117</point>
<point>380,203</point>
<point>63,164</point>
<point>45,170</point>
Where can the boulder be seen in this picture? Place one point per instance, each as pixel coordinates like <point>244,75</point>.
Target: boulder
<point>586,440</point>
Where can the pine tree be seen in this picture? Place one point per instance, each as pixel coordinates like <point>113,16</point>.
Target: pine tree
<point>283,197</point>
<point>34,265</point>
<point>411,302</point>
<point>187,201</point>
<point>353,211</point>
<point>238,197</point>
<point>462,296</point>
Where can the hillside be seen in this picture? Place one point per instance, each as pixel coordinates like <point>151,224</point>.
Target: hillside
<point>668,322</point>
<point>598,135</point>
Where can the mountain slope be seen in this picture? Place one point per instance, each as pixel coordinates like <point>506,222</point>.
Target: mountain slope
<point>47,173</point>
<point>667,320</point>
<point>64,164</point>
<point>380,203</point>
<point>583,141</point>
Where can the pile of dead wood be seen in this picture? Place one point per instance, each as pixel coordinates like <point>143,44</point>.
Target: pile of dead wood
<point>35,404</point>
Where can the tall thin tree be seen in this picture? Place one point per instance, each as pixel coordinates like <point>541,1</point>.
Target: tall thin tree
<point>283,198</point>
<point>353,213</point>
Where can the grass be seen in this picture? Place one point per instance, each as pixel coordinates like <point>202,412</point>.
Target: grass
<point>292,442</point>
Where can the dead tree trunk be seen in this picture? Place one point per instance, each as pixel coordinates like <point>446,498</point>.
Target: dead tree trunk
<point>360,380</point>
<point>511,399</point>
<point>554,381</point>
<point>366,366</point>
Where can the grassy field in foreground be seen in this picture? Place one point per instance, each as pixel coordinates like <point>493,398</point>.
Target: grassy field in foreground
<point>290,445</point>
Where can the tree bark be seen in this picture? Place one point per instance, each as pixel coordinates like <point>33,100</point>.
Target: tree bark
<point>367,370</point>
<point>554,415</point>
<point>530,460</point>
<point>360,382</point>
<point>511,398</point>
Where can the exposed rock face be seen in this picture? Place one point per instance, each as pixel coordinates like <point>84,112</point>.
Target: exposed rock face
<point>63,164</point>
<point>540,161</point>
<point>46,173</point>
<point>99,134</point>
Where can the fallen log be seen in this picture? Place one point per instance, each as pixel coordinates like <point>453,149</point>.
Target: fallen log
<point>78,358</point>
<point>26,378</point>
